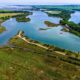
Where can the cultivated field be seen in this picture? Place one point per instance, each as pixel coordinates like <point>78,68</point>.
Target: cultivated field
<point>8,14</point>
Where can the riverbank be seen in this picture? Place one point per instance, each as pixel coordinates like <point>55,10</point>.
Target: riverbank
<point>4,17</point>
<point>23,58</point>
<point>73,27</point>
<point>65,15</point>
<point>47,47</point>
<point>2,29</point>
<point>29,42</point>
<point>50,24</point>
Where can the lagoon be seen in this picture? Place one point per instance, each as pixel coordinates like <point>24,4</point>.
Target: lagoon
<point>53,36</point>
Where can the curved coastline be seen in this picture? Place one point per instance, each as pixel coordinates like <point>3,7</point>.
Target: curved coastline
<point>58,39</point>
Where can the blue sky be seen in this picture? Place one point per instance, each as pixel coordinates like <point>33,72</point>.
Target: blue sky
<point>39,2</point>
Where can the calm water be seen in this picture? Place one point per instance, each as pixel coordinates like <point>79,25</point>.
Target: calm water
<point>52,36</point>
<point>75,17</point>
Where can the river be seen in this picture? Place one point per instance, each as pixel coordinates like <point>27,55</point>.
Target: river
<point>53,36</point>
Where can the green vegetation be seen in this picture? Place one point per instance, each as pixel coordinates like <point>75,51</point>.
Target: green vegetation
<point>4,15</point>
<point>2,29</point>
<point>65,29</point>
<point>23,19</point>
<point>64,14</point>
<point>44,28</point>
<point>8,14</point>
<point>75,32</point>
<point>73,28</point>
<point>13,11</point>
<point>50,24</point>
<point>22,61</point>
<point>59,7</point>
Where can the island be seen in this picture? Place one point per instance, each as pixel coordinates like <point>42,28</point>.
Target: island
<point>50,24</point>
<point>23,19</point>
<point>65,16</point>
<point>5,15</point>
<point>19,15</point>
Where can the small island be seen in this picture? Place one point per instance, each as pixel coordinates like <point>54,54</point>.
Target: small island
<point>44,28</point>
<point>22,19</point>
<point>50,24</point>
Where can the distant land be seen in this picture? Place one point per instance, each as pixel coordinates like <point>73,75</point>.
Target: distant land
<point>23,7</point>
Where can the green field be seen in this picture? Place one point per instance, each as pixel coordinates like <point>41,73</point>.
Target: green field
<point>8,14</point>
<point>22,61</point>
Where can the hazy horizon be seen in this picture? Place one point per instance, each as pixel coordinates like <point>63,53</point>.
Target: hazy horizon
<point>40,2</point>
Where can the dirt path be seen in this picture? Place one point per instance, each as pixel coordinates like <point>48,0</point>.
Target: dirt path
<point>37,44</point>
<point>60,52</point>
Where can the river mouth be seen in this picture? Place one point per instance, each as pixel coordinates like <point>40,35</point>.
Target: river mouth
<point>53,35</point>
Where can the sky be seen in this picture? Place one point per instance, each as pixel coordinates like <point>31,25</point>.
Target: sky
<point>34,2</point>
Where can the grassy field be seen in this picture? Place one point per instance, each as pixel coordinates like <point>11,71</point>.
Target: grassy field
<point>8,14</point>
<point>28,62</point>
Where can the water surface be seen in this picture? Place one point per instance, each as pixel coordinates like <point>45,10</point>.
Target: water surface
<point>75,17</point>
<point>53,36</point>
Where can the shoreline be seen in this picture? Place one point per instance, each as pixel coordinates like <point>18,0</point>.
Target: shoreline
<point>24,38</point>
<point>45,46</point>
